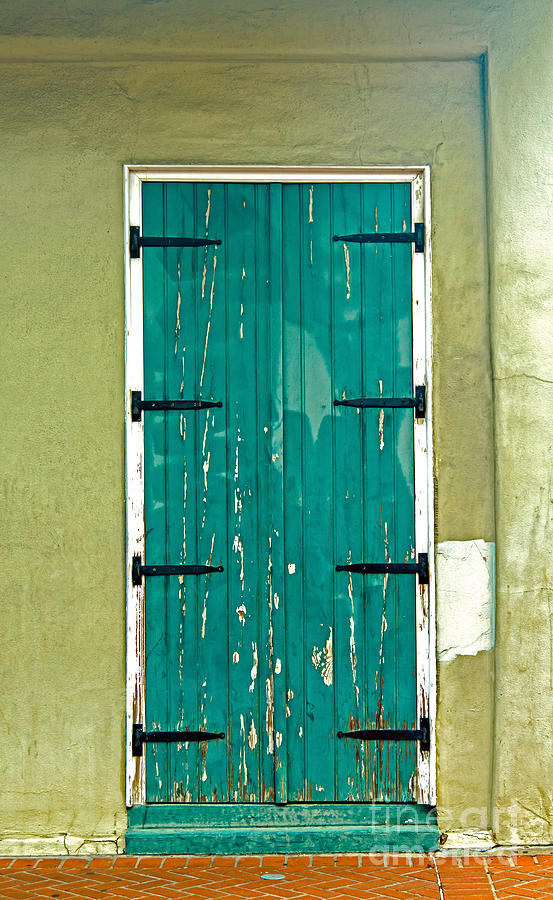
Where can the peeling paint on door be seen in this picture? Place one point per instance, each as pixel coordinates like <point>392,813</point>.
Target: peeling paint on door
<point>278,651</point>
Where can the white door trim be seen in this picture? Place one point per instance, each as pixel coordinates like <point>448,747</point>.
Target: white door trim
<point>419,178</point>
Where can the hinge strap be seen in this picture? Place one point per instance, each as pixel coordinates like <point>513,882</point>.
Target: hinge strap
<point>138,404</point>
<point>136,241</point>
<point>419,568</point>
<point>138,570</point>
<point>418,402</point>
<point>415,237</point>
<point>421,734</point>
<point>139,737</point>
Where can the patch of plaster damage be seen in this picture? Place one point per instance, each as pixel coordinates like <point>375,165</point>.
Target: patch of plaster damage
<point>62,845</point>
<point>465,582</point>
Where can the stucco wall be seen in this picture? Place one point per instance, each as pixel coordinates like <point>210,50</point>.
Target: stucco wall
<point>521,201</point>
<point>88,87</point>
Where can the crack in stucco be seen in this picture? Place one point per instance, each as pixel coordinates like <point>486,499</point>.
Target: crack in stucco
<point>522,375</point>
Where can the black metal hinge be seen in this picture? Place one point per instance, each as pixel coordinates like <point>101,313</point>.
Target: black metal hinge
<point>418,402</point>
<point>419,568</point>
<point>138,570</point>
<point>421,734</point>
<point>415,237</point>
<point>139,737</point>
<point>137,241</point>
<point>138,404</point>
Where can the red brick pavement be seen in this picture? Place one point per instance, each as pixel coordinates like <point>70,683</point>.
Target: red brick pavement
<point>277,878</point>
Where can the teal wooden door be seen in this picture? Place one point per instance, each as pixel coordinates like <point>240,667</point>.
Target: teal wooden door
<point>278,486</point>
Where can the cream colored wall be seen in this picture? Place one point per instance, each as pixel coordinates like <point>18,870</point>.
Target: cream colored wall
<point>90,86</point>
<point>521,205</point>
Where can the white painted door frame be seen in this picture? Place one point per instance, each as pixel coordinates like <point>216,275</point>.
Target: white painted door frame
<point>419,179</point>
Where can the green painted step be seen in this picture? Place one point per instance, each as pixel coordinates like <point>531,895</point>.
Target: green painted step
<point>296,828</point>
<point>296,839</point>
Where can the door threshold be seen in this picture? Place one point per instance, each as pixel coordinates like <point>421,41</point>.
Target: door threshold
<point>204,828</point>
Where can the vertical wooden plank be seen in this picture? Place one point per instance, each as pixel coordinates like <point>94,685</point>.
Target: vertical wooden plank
<point>294,450</point>
<point>317,476</point>
<point>277,593</point>
<point>378,485</point>
<point>245,593</point>
<point>211,622</point>
<point>383,503</point>
<point>182,485</point>
<point>155,328</point>
<point>349,654</point>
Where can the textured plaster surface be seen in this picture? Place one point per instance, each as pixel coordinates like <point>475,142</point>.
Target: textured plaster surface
<point>521,160</point>
<point>90,86</point>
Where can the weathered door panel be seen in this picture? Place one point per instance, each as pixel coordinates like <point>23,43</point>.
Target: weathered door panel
<point>279,651</point>
<point>206,478</point>
<point>348,492</point>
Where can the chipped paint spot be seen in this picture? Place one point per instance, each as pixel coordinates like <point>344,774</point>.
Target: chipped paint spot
<point>253,672</point>
<point>381,429</point>
<point>270,715</point>
<point>381,419</point>
<point>204,611</point>
<point>207,211</point>
<point>205,433</point>
<point>204,274</point>
<point>238,547</point>
<point>252,736</point>
<point>241,612</point>
<point>300,731</point>
<point>278,667</point>
<point>237,503</point>
<point>353,657</point>
<point>348,271</point>
<point>290,694</point>
<point>278,738</point>
<point>235,657</point>
<point>243,276</point>
<point>177,323</point>
<point>291,568</point>
<point>265,429</point>
<point>311,204</point>
<point>276,600</point>
<point>205,467</point>
<point>288,713</point>
<point>209,318</point>
<point>324,659</point>
<point>242,767</point>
